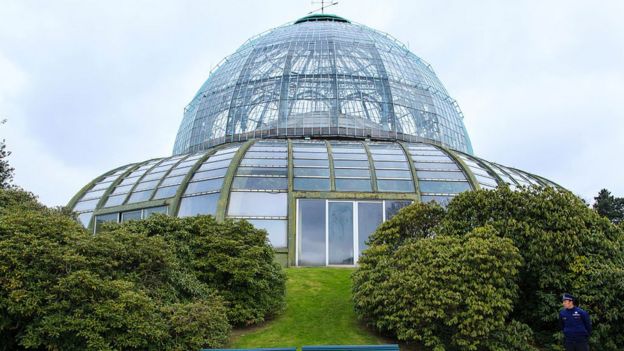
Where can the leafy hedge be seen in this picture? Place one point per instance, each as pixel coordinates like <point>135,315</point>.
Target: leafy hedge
<point>452,279</point>
<point>136,286</point>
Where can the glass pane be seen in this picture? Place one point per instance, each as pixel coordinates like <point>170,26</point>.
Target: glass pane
<point>340,234</point>
<point>370,216</point>
<point>347,163</point>
<point>386,164</point>
<point>153,176</point>
<point>260,183</point>
<point>153,210</point>
<point>214,165</point>
<point>179,171</point>
<point>313,155</point>
<point>115,200</point>
<point>85,218</point>
<point>131,215</point>
<point>258,204</point>
<point>435,165</point>
<point>353,184</point>
<point>321,172</point>
<point>393,206</point>
<point>265,162</point>
<point>140,196</point>
<point>196,205</point>
<point>311,232</point>
<point>102,186</point>
<point>428,186</point>
<point>93,194</point>
<point>311,184</point>
<point>101,219</point>
<point>440,199</point>
<point>404,186</point>
<point>164,193</point>
<point>86,205</point>
<point>215,173</point>
<point>441,175</point>
<point>172,181</point>
<point>146,185</point>
<point>276,228</point>
<point>204,186</point>
<point>262,171</point>
<point>386,173</point>
<point>351,172</point>
<point>122,190</point>
<point>323,163</point>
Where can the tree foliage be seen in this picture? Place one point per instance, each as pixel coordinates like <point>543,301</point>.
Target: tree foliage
<point>609,206</point>
<point>137,286</point>
<point>564,246</point>
<point>6,171</point>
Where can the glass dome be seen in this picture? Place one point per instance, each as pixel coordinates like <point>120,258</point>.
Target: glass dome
<point>322,76</point>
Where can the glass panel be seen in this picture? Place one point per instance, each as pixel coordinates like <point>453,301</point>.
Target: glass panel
<point>320,172</point>
<point>172,181</point>
<point>129,181</point>
<point>276,228</point>
<point>340,232</point>
<point>86,205</point>
<point>386,164</point>
<point>93,194</point>
<point>394,185</point>
<point>198,205</point>
<point>435,165</point>
<point>370,216</point>
<point>130,216</point>
<point>122,190</point>
<point>346,163</point>
<point>146,185</point>
<point>393,207</point>
<point>204,186</point>
<point>260,183</point>
<point>339,156</point>
<point>101,219</point>
<point>101,186</point>
<point>265,162</point>
<point>153,176</point>
<point>215,173</point>
<point>440,199</point>
<point>262,171</point>
<point>428,186</point>
<point>311,184</point>
<point>441,175</point>
<point>115,200</point>
<point>85,218</point>
<point>353,184</point>
<point>441,158</point>
<point>386,173</point>
<point>153,210</point>
<point>163,193</point>
<point>179,171</point>
<point>140,196</point>
<point>352,172</point>
<point>214,165</point>
<point>311,232</point>
<point>302,162</point>
<point>258,204</point>
<point>388,157</point>
<point>311,155</point>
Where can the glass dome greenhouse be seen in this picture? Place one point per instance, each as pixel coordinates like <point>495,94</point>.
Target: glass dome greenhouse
<point>316,131</point>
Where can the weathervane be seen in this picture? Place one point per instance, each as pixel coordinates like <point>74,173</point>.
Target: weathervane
<point>324,4</point>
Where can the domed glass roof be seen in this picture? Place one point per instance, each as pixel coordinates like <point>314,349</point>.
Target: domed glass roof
<point>322,76</point>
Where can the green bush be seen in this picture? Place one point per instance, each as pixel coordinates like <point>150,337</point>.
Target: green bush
<point>232,257</point>
<point>64,289</point>
<point>564,246</point>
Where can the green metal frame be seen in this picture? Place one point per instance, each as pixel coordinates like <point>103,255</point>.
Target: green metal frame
<point>224,198</point>
<point>464,167</point>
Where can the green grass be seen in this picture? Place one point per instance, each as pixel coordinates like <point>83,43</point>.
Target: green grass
<point>319,312</point>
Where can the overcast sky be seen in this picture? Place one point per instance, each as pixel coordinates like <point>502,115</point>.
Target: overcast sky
<point>87,86</point>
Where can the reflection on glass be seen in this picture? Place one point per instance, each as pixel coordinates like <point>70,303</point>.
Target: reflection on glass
<point>164,193</point>
<point>85,218</point>
<point>276,228</point>
<point>311,232</point>
<point>440,199</point>
<point>370,216</point>
<point>393,206</point>
<point>353,185</point>
<point>260,183</point>
<point>115,200</point>
<point>140,196</point>
<point>101,219</point>
<point>395,185</point>
<point>130,215</point>
<point>340,235</point>
<point>311,184</point>
<point>258,204</point>
<point>204,186</point>
<point>196,205</point>
<point>153,210</point>
<point>430,186</point>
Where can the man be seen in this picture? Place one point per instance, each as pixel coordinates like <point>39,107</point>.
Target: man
<point>575,325</point>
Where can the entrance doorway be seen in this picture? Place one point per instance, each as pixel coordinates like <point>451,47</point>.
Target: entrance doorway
<point>335,232</point>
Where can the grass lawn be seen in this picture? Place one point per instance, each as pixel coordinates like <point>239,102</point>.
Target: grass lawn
<point>319,312</point>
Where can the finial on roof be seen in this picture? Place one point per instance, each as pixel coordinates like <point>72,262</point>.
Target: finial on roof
<point>324,4</point>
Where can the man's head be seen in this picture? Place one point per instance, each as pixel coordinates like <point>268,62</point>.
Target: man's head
<point>567,300</point>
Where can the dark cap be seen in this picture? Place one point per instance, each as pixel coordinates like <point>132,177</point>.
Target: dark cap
<point>567,296</point>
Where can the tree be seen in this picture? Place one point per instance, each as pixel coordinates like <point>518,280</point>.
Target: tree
<point>6,171</point>
<point>609,206</point>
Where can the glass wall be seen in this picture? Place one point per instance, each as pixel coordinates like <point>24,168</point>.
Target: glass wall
<point>351,167</point>
<point>311,166</point>
<point>336,232</point>
<point>391,168</point>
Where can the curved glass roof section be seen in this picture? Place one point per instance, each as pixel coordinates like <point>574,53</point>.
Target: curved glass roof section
<point>322,76</point>
<point>252,180</point>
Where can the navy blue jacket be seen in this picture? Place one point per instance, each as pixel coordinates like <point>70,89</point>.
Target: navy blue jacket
<point>575,324</point>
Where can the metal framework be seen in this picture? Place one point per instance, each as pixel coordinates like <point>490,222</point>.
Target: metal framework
<point>322,75</point>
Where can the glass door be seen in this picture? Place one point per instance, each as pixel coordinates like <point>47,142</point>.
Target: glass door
<point>370,216</point>
<point>340,232</point>
<point>311,227</point>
